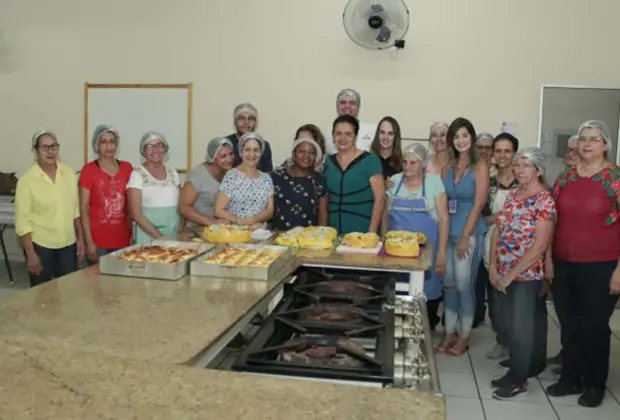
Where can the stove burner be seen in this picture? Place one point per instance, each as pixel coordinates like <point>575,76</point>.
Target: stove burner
<point>324,351</point>
<point>331,314</point>
<point>346,287</point>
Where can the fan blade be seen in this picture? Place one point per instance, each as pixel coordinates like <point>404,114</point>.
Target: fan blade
<point>384,34</point>
<point>376,8</point>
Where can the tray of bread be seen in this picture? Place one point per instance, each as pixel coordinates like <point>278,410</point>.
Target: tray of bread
<point>157,259</point>
<point>226,234</point>
<point>360,243</point>
<point>245,261</point>
<point>402,243</point>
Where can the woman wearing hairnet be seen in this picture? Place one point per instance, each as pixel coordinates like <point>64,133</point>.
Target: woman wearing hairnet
<point>103,192</point>
<point>300,193</point>
<point>522,234</point>
<point>246,193</point>
<point>585,265</point>
<point>245,118</point>
<point>313,132</point>
<point>417,202</point>
<point>47,214</point>
<point>153,192</point>
<point>203,183</point>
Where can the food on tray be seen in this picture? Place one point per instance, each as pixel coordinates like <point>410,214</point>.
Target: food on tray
<point>224,234</point>
<point>244,257</point>
<point>361,240</point>
<point>313,237</point>
<point>419,237</point>
<point>402,247</point>
<point>158,254</point>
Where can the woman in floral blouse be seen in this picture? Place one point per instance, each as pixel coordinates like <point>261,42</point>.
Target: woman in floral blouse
<point>586,252</point>
<point>522,233</point>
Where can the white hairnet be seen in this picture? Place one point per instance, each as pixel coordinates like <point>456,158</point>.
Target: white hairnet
<point>319,154</point>
<point>599,126</point>
<point>100,131</point>
<point>39,134</point>
<point>572,141</point>
<point>349,93</point>
<point>214,147</point>
<point>418,151</point>
<point>148,137</point>
<point>245,108</point>
<point>438,126</point>
<point>536,157</point>
<point>252,135</point>
<point>485,136</point>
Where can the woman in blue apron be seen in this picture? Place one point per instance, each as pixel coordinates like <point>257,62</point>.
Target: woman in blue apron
<point>418,203</point>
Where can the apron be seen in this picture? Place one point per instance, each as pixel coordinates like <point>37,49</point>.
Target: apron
<point>165,219</point>
<point>414,214</point>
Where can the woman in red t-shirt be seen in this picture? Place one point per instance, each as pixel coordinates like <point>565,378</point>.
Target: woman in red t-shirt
<point>103,208</point>
<point>586,253</point>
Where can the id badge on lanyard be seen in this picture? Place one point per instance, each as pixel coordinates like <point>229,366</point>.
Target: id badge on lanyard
<point>452,206</point>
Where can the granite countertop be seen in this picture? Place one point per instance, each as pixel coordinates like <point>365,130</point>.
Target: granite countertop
<point>41,384</point>
<point>163,321</point>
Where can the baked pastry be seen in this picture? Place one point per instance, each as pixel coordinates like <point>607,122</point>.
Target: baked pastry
<point>225,234</point>
<point>326,231</point>
<point>312,237</point>
<point>405,234</point>
<point>244,257</point>
<point>289,238</point>
<point>361,240</point>
<point>158,254</point>
<point>402,247</point>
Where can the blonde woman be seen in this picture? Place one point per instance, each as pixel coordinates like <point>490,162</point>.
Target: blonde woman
<point>440,158</point>
<point>153,192</point>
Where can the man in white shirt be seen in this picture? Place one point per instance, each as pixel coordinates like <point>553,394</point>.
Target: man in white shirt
<point>348,102</point>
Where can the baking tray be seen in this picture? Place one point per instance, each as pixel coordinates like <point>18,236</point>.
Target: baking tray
<point>200,268</point>
<point>111,264</point>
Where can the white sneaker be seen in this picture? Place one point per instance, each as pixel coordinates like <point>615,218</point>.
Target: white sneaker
<point>498,352</point>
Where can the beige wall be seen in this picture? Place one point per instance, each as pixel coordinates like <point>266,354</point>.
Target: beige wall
<point>483,59</point>
<point>480,58</point>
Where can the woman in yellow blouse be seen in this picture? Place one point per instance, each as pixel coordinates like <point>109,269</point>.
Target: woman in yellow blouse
<point>47,214</point>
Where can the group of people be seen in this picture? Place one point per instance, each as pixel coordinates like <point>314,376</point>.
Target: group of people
<point>500,233</point>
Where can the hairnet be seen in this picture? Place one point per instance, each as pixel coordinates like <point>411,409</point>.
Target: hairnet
<point>251,135</point>
<point>349,93</point>
<point>99,131</point>
<point>536,157</point>
<point>214,147</point>
<point>39,134</point>
<point>439,125</point>
<point>150,136</point>
<point>598,125</point>
<point>417,150</point>
<point>245,108</point>
<point>572,141</point>
<point>485,136</point>
<point>310,140</point>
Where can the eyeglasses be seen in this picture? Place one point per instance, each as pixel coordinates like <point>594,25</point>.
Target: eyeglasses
<point>484,147</point>
<point>593,139</point>
<point>49,147</point>
<point>246,118</point>
<point>157,146</point>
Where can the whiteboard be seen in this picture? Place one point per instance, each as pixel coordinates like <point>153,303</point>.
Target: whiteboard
<point>135,109</point>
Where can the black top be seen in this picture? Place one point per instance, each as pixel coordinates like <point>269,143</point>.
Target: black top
<point>388,169</point>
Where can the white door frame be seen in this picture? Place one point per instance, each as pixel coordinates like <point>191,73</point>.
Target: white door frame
<point>552,86</point>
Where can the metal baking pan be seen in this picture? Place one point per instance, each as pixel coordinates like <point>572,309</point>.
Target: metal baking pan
<point>198,266</point>
<point>111,264</point>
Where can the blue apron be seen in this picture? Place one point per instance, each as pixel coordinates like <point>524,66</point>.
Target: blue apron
<point>414,214</point>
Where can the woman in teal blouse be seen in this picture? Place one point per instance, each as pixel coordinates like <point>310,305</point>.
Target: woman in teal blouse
<point>354,182</point>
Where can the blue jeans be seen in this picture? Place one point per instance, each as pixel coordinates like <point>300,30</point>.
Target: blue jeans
<point>55,263</point>
<point>519,309</point>
<point>459,300</point>
<point>100,253</point>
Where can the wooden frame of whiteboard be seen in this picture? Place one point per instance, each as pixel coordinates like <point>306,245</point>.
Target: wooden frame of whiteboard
<point>188,86</point>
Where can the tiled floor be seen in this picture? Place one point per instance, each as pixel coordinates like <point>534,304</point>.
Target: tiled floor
<point>465,380</point>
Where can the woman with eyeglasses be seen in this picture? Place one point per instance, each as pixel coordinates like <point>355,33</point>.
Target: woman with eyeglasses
<point>586,265</point>
<point>245,117</point>
<point>153,192</point>
<point>47,214</point>
<point>103,191</point>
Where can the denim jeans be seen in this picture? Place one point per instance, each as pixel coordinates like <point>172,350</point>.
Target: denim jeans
<point>584,307</point>
<point>55,262</point>
<point>459,286</point>
<point>100,253</point>
<point>519,306</point>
